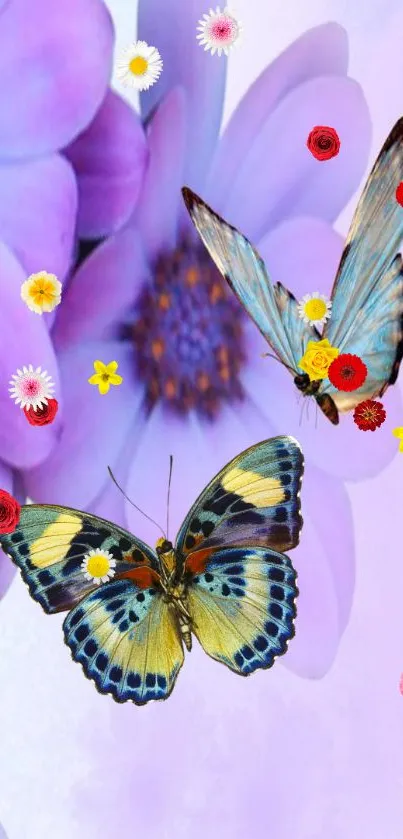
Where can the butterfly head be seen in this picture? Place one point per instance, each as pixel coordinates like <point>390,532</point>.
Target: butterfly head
<point>305,385</point>
<point>165,552</point>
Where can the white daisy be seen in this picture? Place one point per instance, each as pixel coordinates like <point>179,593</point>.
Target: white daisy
<point>315,309</point>
<point>139,66</point>
<point>98,566</point>
<point>219,31</point>
<point>31,388</point>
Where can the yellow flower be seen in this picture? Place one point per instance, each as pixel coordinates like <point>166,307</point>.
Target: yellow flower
<point>105,376</point>
<point>41,292</point>
<point>317,359</point>
<point>398,432</point>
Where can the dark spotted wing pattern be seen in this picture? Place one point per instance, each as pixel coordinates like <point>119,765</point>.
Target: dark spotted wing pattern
<point>127,641</point>
<point>49,546</point>
<point>242,607</point>
<point>254,500</point>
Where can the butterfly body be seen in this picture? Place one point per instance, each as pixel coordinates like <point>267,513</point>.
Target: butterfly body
<point>367,296</point>
<point>226,580</point>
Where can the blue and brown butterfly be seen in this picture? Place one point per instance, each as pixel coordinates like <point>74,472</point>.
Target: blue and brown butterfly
<point>227,580</point>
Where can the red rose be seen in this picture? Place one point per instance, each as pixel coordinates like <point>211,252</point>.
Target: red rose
<point>399,194</point>
<point>323,142</point>
<point>43,415</point>
<point>369,415</point>
<point>347,372</point>
<point>9,512</point>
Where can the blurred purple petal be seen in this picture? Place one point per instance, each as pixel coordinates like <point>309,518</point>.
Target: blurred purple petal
<point>321,51</point>
<point>38,203</point>
<point>54,75</point>
<point>7,569</point>
<point>326,574</point>
<point>290,181</point>
<point>303,254</point>
<point>25,341</point>
<point>90,311</point>
<point>172,28</point>
<point>77,469</point>
<point>109,159</point>
<point>110,503</point>
<point>157,209</point>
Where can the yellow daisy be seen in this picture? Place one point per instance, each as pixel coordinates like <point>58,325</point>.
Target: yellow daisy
<point>41,292</point>
<point>398,432</point>
<point>105,376</point>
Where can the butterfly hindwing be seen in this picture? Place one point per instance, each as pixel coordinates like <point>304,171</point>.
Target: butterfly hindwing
<point>254,500</point>
<point>127,640</point>
<point>376,337</point>
<point>242,607</point>
<point>50,543</point>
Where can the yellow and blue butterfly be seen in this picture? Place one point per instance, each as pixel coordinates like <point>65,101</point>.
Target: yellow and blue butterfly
<point>132,609</point>
<point>367,295</point>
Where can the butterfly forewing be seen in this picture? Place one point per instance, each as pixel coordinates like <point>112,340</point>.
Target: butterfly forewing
<point>253,501</point>
<point>242,607</point>
<point>373,242</point>
<point>127,641</point>
<point>245,271</point>
<point>49,546</point>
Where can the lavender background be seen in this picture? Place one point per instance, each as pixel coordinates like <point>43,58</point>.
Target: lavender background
<point>272,756</point>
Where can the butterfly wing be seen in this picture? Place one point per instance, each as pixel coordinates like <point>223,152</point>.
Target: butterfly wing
<point>127,640</point>
<point>243,607</point>
<point>245,271</point>
<point>377,337</point>
<point>367,296</point>
<point>50,544</point>
<point>254,500</point>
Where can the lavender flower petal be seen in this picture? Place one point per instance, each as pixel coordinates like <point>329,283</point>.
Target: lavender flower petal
<point>293,182</point>
<point>77,469</point>
<point>156,213</point>
<point>54,75</point>
<point>321,51</point>
<point>89,311</point>
<point>109,159</point>
<point>172,28</point>
<point>38,204</point>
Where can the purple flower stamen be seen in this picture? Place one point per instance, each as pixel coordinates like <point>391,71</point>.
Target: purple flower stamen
<point>187,335</point>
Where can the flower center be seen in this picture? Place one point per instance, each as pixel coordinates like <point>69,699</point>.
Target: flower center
<point>31,387</point>
<point>187,335</point>
<point>347,372</point>
<point>98,565</point>
<point>315,309</point>
<point>222,29</point>
<point>138,65</point>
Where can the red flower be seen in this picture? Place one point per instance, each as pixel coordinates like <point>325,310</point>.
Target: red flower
<point>347,372</point>
<point>323,142</point>
<point>43,415</point>
<point>399,193</point>
<point>9,512</point>
<point>369,415</point>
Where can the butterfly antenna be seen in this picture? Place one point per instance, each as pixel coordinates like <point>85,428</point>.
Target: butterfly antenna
<point>171,460</point>
<point>283,364</point>
<point>301,412</point>
<point>132,502</point>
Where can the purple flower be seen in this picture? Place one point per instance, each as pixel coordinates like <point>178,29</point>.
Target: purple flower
<point>195,384</point>
<point>54,78</point>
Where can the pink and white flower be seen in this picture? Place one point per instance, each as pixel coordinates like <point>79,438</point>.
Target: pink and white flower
<point>219,31</point>
<point>31,388</point>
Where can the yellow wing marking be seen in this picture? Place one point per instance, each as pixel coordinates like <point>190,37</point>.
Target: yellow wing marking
<point>254,488</point>
<point>42,552</point>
